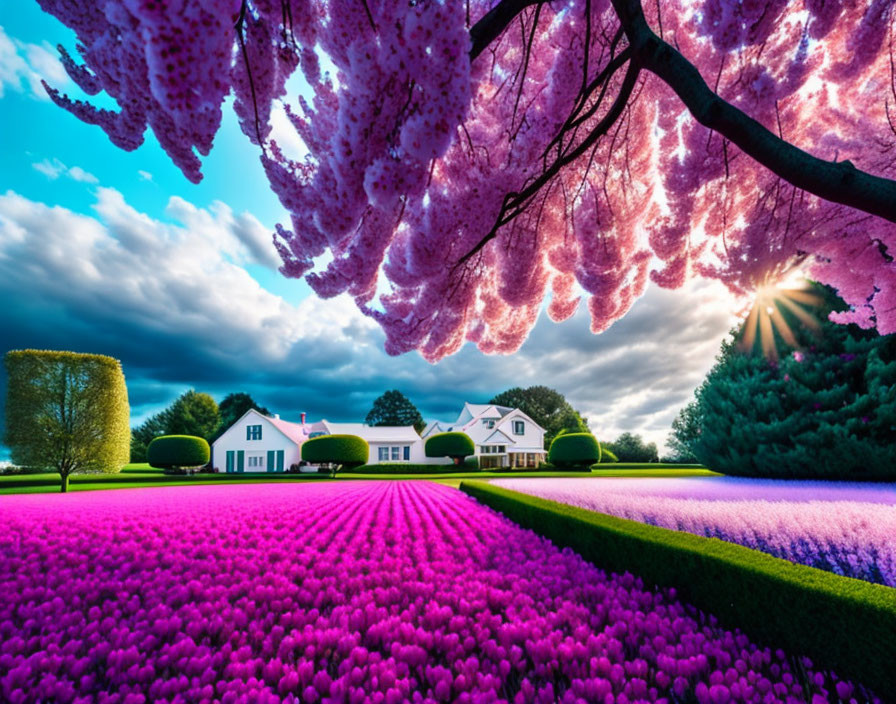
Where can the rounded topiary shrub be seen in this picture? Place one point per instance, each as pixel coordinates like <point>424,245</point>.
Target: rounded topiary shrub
<point>574,450</point>
<point>472,463</point>
<point>177,452</point>
<point>343,450</point>
<point>457,446</point>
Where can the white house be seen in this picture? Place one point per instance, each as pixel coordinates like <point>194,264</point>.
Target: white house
<point>387,443</point>
<point>504,437</point>
<point>259,443</point>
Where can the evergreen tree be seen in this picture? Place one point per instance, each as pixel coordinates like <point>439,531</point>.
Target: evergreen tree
<point>827,410</point>
<point>547,407</point>
<point>394,408</point>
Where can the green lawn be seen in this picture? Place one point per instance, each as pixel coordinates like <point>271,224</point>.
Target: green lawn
<point>142,475</point>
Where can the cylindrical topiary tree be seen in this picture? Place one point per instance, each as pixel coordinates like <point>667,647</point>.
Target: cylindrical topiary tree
<point>579,450</point>
<point>457,446</point>
<point>66,412</point>
<point>338,451</point>
<point>178,453</point>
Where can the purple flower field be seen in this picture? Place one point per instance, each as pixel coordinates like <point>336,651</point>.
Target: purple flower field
<point>345,592</point>
<point>846,528</point>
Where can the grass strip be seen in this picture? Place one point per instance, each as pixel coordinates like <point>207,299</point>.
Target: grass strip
<point>134,476</point>
<point>841,623</point>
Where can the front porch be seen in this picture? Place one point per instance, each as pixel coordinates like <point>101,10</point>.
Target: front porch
<point>511,460</point>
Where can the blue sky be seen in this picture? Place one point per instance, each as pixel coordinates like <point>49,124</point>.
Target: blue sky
<point>117,253</point>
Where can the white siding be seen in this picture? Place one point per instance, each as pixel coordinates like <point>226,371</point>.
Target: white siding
<point>234,440</point>
<point>532,439</point>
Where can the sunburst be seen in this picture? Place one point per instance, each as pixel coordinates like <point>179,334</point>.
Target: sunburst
<point>766,316</point>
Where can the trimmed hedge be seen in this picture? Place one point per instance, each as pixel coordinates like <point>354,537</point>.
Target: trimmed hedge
<point>455,445</point>
<point>840,623</point>
<point>177,451</point>
<point>574,450</point>
<point>388,468</point>
<point>607,456</point>
<point>344,450</point>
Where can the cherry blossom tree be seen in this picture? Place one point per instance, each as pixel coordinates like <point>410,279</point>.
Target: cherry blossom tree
<point>469,160</point>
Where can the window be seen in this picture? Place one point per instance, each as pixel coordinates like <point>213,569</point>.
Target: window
<point>253,432</point>
<point>488,422</point>
<point>394,453</point>
<point>256,461</point>
<point>519,427</point>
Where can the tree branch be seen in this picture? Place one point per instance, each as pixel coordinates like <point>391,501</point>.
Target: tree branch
<point>838,182</point>
<point>495,21</point>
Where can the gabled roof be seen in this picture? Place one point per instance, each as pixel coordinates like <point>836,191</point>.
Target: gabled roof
<point>477,410</point>
<point>498,438</point>
<point>374,433</point>
<point>294,432</point>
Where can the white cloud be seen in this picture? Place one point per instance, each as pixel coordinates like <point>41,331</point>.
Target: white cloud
<point>53,169</point>
<point>23,66</point>
<point>144,175</point>
<point>173,301</point>
<point>50,168</point>
<point>127,268</point>
<point>79,174</point>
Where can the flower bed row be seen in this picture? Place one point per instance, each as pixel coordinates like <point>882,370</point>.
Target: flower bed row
<point>846,529</point>
<point>842,622</point>
<point>368,591</point>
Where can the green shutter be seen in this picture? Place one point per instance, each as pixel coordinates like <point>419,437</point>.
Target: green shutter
<point>240,459</point>
<point>270,467</point>
<point>230,460</point>
<point>279,460</point>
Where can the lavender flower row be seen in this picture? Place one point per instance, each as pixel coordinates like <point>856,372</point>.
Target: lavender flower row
<point>846,529</point>
<point>361,592</point>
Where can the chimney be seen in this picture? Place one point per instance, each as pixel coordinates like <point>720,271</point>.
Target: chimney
<point>276,416</point>
<point>303,418</point>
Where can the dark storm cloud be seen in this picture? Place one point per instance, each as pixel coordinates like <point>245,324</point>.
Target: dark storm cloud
<point>175,305</point>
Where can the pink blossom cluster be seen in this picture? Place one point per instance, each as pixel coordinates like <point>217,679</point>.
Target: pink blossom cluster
<point>345,592</point>
<point>415,151</point>
<point>849,529</point>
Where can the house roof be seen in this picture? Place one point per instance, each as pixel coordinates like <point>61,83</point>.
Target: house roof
<point>374,433</point>
<point>294,431</point>
<point>498,438</point>
<point>479,409</point>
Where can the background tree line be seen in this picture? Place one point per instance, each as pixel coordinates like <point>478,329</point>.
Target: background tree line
<point>192,413</point>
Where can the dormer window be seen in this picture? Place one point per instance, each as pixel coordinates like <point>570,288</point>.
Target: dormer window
<point>519,427</point>
<point>488,422</point>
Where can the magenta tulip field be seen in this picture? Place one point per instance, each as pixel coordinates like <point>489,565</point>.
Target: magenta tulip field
<point>345,592</point>
<point>849,529</point>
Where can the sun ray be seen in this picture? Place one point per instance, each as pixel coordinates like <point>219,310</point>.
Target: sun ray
<point>767,318</point>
